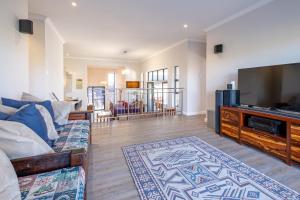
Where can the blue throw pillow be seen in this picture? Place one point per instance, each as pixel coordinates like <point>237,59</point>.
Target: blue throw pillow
<point>13,103</point>
<point>3,116</point>
<point>18,104</point>
<point>31,117</point>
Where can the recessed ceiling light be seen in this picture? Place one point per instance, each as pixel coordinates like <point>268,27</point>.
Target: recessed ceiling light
<point>185,26</point>
<point>74,4</point>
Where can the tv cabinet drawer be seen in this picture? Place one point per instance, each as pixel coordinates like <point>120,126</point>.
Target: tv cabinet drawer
<point>267,143</point>
<point>295,133</point>
<point>230,130</point>
<point>230,116</point>
<point>295,153</point>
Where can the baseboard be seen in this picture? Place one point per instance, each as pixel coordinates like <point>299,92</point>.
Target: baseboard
<point>194,113</point>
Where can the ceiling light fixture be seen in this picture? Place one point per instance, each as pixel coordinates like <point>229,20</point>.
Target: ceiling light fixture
<point>74,4</point>
<point>185,26</point>
<point>125,71</point>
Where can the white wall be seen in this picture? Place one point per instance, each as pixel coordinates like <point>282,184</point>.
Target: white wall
<point>38,81</point>
<point>13,49</point>
<point>196,78</point>
<point>78,70</point>
<point>46,59</point>
<point>54,59</point>
<point>190,57</point>
<point>77,67</point>
<point>266,36</point>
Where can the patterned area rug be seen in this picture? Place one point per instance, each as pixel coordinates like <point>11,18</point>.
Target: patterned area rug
<point>189,168</point>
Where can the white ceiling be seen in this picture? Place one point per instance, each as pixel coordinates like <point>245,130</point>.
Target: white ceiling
<point>105,28</point>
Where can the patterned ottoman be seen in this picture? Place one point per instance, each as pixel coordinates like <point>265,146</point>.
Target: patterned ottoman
<point>65,183</point>
<point>74,135</point>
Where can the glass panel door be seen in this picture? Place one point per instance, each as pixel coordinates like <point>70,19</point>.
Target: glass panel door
<point>150,96</point>
<point>165,93</point>
<point>96,97</point>
<point>177,85</point>
<point>111,86</point>
<point>158,96</point>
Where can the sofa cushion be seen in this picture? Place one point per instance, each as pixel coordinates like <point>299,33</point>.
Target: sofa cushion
<point>52,133</point>
<point>18,104</point>
<point>9,187</point>
<point>3,116</point>
<point>18,141</point>
<point>67,183</point>
<point>29,97</point>
<point>31,117</point>
<point>62,110</point>
<point>7,109</point>
<point>74,135</point>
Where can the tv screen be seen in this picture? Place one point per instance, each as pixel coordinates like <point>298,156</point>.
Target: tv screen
<point>273,86</point>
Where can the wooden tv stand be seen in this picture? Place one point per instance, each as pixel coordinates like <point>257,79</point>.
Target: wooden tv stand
<point>287,148</point>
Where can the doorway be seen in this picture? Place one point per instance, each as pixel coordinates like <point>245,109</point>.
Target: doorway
<point>96,97</point>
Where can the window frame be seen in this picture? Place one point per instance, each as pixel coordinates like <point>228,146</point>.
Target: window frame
<point>151,74</point>
<point>176,80</point>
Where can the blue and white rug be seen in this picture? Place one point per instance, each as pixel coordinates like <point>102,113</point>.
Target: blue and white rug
<point>189,168</point>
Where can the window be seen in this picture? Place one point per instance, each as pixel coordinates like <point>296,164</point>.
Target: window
<point>150,76</point>
<point>142,80</point>
<point>177,84</point>
<point>165,74</point>
<point>111,81</point>
<point>161,75</point>
<point>155,76</point>
<point>158,75</point>
<point>176,72</point>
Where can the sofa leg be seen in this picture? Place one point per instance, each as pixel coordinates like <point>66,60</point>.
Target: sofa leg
<point>85,193</point>
<point>90,137</point>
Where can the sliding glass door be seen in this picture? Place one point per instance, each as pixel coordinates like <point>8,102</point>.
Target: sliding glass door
<point>150,96</point>
<point>96,97</point>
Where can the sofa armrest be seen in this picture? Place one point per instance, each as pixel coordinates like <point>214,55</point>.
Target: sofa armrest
<point>80,115</point>
<point>49,162</point>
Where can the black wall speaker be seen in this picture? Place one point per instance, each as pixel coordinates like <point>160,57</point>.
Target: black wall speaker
<point>218,104</point>
<point>218,48</point>
<point>25,26</point>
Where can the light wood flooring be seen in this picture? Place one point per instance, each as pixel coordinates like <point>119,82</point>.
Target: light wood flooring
<point>110,179</point>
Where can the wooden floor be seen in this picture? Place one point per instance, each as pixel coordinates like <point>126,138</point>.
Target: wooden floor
<point>109,177</point>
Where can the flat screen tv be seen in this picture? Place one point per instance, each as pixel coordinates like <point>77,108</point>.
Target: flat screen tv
<point>276,87</point>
